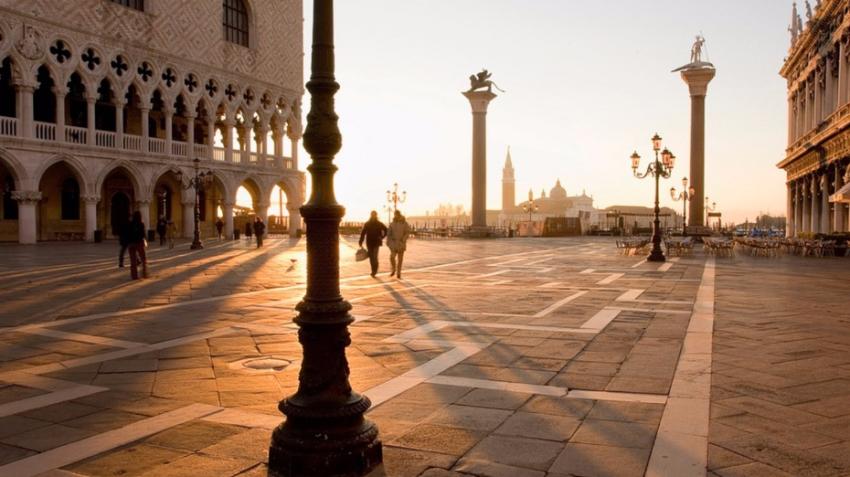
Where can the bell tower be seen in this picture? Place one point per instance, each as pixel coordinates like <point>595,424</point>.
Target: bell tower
<point>508,185</point>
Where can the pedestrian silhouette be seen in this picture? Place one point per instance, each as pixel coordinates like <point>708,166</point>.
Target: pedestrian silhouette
<point>137,244</point>
<point>373,233</point>
<point>397,234</point>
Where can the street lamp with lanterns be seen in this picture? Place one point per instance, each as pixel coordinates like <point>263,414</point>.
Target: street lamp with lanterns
<point>393,199</point>
<point>684,196</point>
<point>662,166</point>
<point>530,207</point>
<point>197,182</point>
<point>709,209</point>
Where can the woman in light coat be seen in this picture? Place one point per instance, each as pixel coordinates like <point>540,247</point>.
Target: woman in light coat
<point>397,234</point>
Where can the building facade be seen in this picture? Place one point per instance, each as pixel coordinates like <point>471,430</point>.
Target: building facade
<point>105,104</point>
<point>818,153</point>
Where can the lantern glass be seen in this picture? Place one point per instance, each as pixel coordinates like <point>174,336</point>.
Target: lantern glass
<point>672,161</point>
<point>656,142</point>
<point>685,182</point>
<point>665,157</point>
<point>635,160</point>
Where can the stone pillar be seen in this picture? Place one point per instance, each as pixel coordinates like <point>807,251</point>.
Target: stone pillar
<point>813,227</point>
<point>294,220</point>
<point>190,136</point>
<point>169,121</point>
<point>801,113</point>
<point>792,118</point>
<point>228,138</point>
<point>227,210</point>
<point>25,116</point>
<point>211,136</point>
<point>91,101</point>
<point>789,211</point>
<point>838,213</point>
<point>817,115</point>
<point>189,215</point>
<point>91,216</point>
<point>798,207</point>
<point>27,206</point>
<point>842,72</point>
<point>479,100</point>
<point>807,206</point>
<point>145,112</point>
<point>294,154</point>
<point>697,79</point>
<point>144,208</point>
<point>59,93</point>
<point>829,84</point>
<point>824,203</point>
<point>262,211</point>
<point>277,138</point>
<point>119,102</point>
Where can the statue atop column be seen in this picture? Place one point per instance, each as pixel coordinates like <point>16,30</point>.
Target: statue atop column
<point>482,80</point>
<point>696,56</point>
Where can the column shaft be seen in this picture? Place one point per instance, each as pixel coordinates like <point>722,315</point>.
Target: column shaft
<point>824,204</point>
<point>190,137</point>
<point>697,207</point>
<point>479,169</point>
<point>145,128</point>
<point>789,211</point>
<point>91,218</point>
<point>60,115</point>
<point>27,228</point>
<point>227,210</point>
<point>838,213</point>
<point>842,74</point>
<point>90,111</point>
<point>189,218</point>
<point>814,204</point>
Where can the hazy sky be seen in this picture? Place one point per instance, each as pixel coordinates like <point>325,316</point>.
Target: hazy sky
<point>587,83</point>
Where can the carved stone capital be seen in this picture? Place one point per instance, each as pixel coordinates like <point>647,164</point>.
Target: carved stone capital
<point>91,199</point>
<point>26,196</point>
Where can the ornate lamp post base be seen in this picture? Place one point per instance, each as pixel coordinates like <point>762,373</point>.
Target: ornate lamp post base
<point>320,449</point>
<point>656,255</point>
<point>196,245</point>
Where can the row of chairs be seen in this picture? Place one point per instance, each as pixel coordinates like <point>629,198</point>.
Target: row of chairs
<point>719,247</point>
<point>679,248</point>
<point>810,248</point>
<point>632,247</point>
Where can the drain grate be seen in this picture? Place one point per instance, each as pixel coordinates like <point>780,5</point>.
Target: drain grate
<point>262,364</point>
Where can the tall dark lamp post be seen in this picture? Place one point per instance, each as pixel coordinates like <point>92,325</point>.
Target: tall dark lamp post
<point>529,208</point>
<point>659,168</point>
<point>394,198</point>
<point>325,433</point>
<point>197,182</point>
<point>684,196</point>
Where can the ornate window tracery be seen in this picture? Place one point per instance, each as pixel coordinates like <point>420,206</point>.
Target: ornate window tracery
<point>235,22</point>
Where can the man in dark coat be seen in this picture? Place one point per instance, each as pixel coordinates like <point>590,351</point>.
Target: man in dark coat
<point>373,232</point>
<point>123,240</point>
<point>259,230</point>
<point>161,229</point>
<point>136,243</point>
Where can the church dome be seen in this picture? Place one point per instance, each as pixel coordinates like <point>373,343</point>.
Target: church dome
<point>558,192</point>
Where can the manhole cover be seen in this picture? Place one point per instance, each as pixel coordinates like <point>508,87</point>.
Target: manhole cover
<point>266,364</point>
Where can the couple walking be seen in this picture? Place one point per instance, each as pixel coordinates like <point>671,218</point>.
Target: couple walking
<point>132,238</point>
<point>396,234</point>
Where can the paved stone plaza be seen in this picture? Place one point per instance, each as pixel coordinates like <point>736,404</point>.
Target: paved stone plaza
<point>523,357</point>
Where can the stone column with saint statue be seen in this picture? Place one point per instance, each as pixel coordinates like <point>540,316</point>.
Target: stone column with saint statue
<point>697,74</point>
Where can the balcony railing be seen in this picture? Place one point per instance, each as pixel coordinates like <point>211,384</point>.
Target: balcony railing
<point>8,126</point>
<point>109,140</point>
<point>75,135</point>
<point>156,145</point>
<point>179,148</point>
<point>105,139</point>
<point>200,150</point>
<point>133,143</point>
<point>45,131</point>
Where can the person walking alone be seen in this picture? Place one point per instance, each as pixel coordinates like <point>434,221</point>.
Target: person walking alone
<point>373,232</point>
<point>259,230</point>
<point>397,234</point>
<point>171,233</point>
<point>124,240</point>
<point>248,230</point>
<point>161,229</point>
<point>136,243</point>
<point>219,226</point>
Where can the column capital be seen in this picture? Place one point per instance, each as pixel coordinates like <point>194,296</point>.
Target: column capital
<point>91,199</point>
<point>697,80</point>
<point>479,100</point>
<point>146,202</point>
<point>59,90</point>
<point>26,196</point>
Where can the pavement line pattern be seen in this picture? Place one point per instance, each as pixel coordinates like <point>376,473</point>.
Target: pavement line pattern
<point>639,263</point>
<point>601,319</point>
<point>587,271</point>
<point>617,396</point>
<point>499,385</point>
<point>558,304</point>
<point>610,279</point>
<point>77,451</point>
<point>65,335</point>
<point>681,445</point>
<point>44,400</point>
<point>492,274</point>
<point>630,295</point>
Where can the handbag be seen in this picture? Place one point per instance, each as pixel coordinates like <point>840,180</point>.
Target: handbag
<point>361,254</point>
